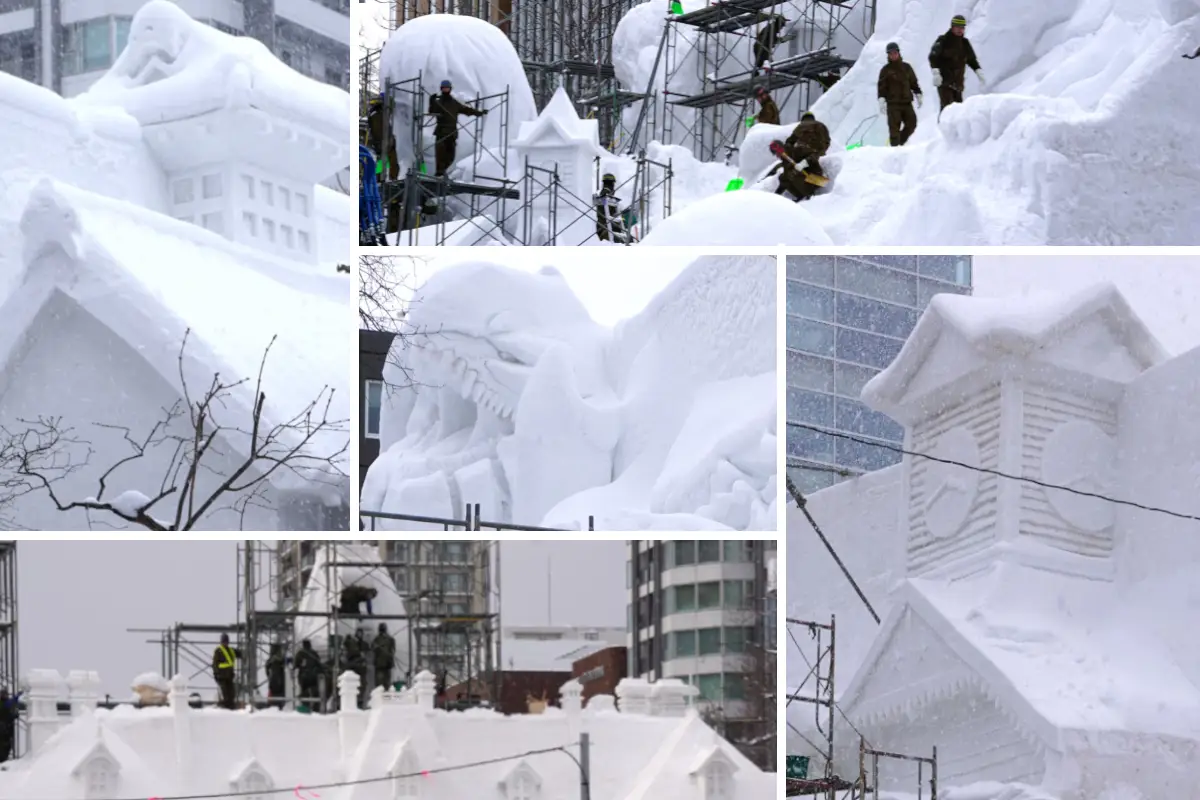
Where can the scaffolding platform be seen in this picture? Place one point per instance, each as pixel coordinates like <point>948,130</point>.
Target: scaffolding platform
<point>801,787</point>
<point>781,75</point>
<point>574,67</point>
<point>619,98</point>
<point>728,17</point>
<point>434,186</point>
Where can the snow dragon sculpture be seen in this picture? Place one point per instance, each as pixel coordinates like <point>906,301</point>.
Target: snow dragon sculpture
<point>516,399</point>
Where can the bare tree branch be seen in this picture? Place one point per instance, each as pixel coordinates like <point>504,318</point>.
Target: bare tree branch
<point>192,438</point>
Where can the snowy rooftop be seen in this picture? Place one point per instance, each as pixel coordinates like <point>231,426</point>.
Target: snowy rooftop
<point>151,278</point>
<point>656,747</point>
<point>555,655</point>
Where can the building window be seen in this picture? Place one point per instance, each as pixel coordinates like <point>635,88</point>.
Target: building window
<point>708,551</point>
<point>809,301</point>
<point>811,407</point>
<point>305,245</point>
<point>373,410</point>
<point>808,372</point>
<point>813,269</point>
<point>876,316</point>
<point>18,54</point>
<point>302,204</point>
<point>285,198</point>
<point>684,598</point>
<point>708,641</point>
<point>122,33</point>
<point>849,380</point>
<point>268,226</point>
<point>96,46</point>
<point>99,783</point>
<point>268,193</point>
<point>453,582</point>
<point>683,644</point>
<point>211,187</point>
<point>685,553</point>
<point>710,687</point>
<point>708,595</point>
<point>737,639</point>
<point>250,222</point>
<point>286,230</point>
<point>248,185</point>
<point>737,551</point>
<point>735,595</point>
<point>735,686</point>
<point>406,781</point>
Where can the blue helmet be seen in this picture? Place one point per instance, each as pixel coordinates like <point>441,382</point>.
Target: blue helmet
<point>446,85</point>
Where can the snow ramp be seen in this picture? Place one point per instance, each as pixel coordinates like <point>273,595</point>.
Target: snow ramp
<point>1083,135</point>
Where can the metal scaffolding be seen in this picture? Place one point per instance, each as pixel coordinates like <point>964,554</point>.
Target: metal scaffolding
<point>716,45</point>
<point>471,521</point>
<point>9,663</point>
<point>452,626</point>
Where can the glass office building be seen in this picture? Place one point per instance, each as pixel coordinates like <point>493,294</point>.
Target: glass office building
<point>847,318</point>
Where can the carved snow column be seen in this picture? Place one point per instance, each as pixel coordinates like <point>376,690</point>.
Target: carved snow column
<point>980,389</point>
<point>633,696</point>
<point>182,722</point>
<point>425,689</point>
<point>571,701</point>
<point>672,697</point>
<point>42,705</point>
<point>601,702</point>
<point>348,685</point>
<point>559,141</point>
<point>349,717</point>
<point>376,699</point>
<point>84,690</point>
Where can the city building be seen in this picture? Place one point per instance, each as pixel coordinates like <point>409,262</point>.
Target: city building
<point>373,347</point>
<point>66,45</point>
<point>696,614</point>
<point>847,318</point>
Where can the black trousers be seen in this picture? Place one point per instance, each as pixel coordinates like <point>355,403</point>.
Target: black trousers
<point>383,677</point>
<point>443,151</point>
<point>226,690</point>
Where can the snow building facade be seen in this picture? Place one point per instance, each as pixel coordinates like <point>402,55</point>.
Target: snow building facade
<point>1037,636</point>
<point>847,318</point>
<point>646,742</point>
<point>183,205</point>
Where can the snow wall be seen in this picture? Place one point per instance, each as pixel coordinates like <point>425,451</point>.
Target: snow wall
<point>474,56</point>
<point>544,417</point>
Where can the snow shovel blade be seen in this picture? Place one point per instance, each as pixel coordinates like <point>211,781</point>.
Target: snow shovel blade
<point>815,180</point>
<point>735,184</point>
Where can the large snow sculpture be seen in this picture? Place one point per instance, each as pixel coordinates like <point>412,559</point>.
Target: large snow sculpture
<point>525,405</point>
<point>473,55</point>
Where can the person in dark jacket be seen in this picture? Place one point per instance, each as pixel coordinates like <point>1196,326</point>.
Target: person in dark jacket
<point>610,224</point>
<point>385,657</point>
<point>808,143</point>
<point>949,57</point>
<point>898,88</point>
<point>9,711</point>
<point>768,114</point>
<point>353,597</point>
<point>308,674</point>
<point>765,41</point>
<point>276,667</point>
<point>379,135</point>
<point>354,651</point>
<point>224,666</point>
<point>446,110</point>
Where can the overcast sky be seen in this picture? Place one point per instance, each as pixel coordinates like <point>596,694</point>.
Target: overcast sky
<point>76,600</point>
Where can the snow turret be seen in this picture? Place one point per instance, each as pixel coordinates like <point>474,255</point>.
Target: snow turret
<point>1029,389</point>
<point>182,723</point>
<point>242,138</point>
<point>559,140</point>
<point>84,687</point>
<point>672,697</point>
<point>42,703</point>
<point>633,695</point>
<point>425,689</point>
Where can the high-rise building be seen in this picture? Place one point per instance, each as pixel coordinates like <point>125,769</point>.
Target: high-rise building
<point>66,45</point>
<point>696,613</point>
<point>847,318</point>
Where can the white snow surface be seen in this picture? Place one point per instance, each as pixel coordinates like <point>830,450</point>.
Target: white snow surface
<point>525,405</point>
<point>1080,641</point>
<point>475,56</point>
<point>151,680</point>
<point>740,218</point>
<point>130,502</point>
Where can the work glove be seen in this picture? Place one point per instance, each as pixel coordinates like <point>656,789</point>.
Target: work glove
<point>920,98</point>
<point>882,106</point>
<point>937,78</point>
<point>982,80</point>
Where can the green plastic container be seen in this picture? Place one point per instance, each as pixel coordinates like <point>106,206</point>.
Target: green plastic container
<point>750,121</point>
<point>735,184</point>
<point>676,7</point>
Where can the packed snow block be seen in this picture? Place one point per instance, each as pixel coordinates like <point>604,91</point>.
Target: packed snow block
<point>755,158</point>
<point>740,218</point>
<point>1174,11</point>
<point>475,56</point>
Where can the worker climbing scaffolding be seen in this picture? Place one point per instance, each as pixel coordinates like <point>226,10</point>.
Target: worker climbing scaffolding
<point>610,221</point>
<point>446,109</point>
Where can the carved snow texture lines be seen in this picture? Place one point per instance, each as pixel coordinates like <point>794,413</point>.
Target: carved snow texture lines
<point>928,547</point>
<point>1046,412</point>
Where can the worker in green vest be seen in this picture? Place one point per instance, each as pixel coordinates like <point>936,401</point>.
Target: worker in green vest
<point>224,665</point>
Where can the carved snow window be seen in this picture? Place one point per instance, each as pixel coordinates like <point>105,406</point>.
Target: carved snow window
<point>285,199</point>
<point>253,782</point>
<point>211,186</point>
<point>214,222</point>
<point>251,223</point>
<point>717,780</point>
<point>305,245</point>
<point>248,185</point>
<point>182,191</point>
<point>406,782</point>
<point>98,772</point>
<point>286,230</point>
<point>523,784</point>
<point>268,229</point>
<point>268,193</point>
<point>302,204</point>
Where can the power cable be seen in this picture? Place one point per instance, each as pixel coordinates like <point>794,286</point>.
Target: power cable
<point>421,774</point>
<point>998,473</point>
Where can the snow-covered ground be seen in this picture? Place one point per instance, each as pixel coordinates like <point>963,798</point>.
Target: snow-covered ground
<point>1037,637</point>
<point>1084,133</point>
<point>517,400</point>
<point>178,196</point>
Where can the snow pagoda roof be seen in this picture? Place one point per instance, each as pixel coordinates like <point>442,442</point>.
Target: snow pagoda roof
<point>150,278</point>
<point>560,120</point>
<point>969,332</point>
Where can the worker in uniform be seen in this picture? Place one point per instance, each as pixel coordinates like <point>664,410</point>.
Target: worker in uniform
<point>445,110</point>
<point>276,667</point>
<point>898,90</point>
<point>354,653</point>
<point>384,647</point>
<point>610,225</point>
<point>768,114</point>
<point>354,596</point>
<point>224,671</point>
<point>765,41</point>
<point>308,674</point>
<point>949,58</point>
<point>9,711</point>
<point>380,138</point>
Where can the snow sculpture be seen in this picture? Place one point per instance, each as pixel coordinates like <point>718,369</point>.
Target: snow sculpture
<point>522,782</point>
<point>714,772</point>
<point>525,405</point>
<point>99,771</point>
<point>406,782</point>
<point>250,779</point>
<point>633,696</point>
<point>151,689</point>
<point>425,689</point>
<point>672,697</point>
<point>84,688</point>
<point>973,366</point>
<point>42,701</point>
<point>473,55</point>
<point>243,139</point>
<point>760,217</point>
<point>1081,456</point>
<point>558,140</point>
